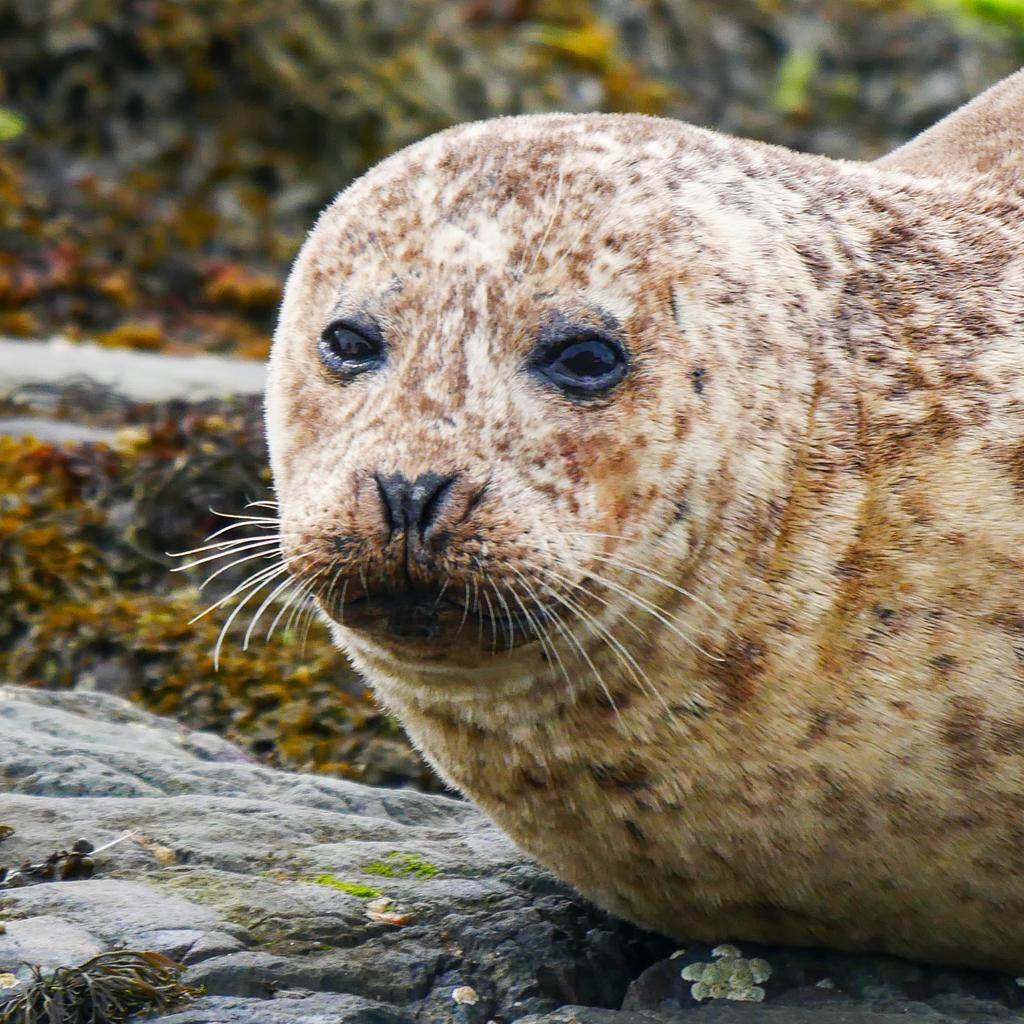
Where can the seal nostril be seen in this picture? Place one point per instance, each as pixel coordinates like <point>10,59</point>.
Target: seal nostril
<point>413,507</point>
<point>434,502</point>
<point>391,499</point>
<point>474,502</point>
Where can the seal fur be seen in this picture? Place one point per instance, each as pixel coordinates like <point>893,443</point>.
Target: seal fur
<point>773,685</point>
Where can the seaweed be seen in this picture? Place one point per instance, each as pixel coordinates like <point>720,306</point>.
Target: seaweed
<point>161,162</point>
<point>59,866</point>
<point>104,990</point>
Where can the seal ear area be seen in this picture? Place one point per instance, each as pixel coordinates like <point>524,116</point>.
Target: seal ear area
<point>984,138</point>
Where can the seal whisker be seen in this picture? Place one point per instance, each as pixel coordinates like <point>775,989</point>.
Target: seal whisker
<point>328,597</point>
<point>567,603</point>
<point>267,553</point>
<point>653,609</point>
<point>478,611</point>
<point>542,634</point>
<point>267,601</point>
<point>494,623</point>
<point>465,611</point>
<point>250,581</point>
<point>656,577</point>
<point>311,615</point>
<point>344,590</point>
<point>245,518</point>
<point>658,612</point>
<point>256,548</point>
<point>318,593</point>
<point>646,570</point>
<point>245,584</point>
<point>440,593</point>
<point>240,524</point>
<point>510,624</point>
<point>253,591</point>
<point>622,652</point>
<point>221,545</point>
<point>308,593</point>
<point>292,597</point>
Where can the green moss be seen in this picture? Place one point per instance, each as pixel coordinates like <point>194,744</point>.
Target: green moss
<point>246,908</point>
<point>793,86</point>
<point>12,124</point>
<point>364,892</point>
<point>402,865</point>
<point>1003,13</point>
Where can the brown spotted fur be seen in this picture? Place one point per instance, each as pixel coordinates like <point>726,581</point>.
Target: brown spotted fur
<point>821,444</point>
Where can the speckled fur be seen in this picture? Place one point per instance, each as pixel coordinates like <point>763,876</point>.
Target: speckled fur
<point>820,444</point>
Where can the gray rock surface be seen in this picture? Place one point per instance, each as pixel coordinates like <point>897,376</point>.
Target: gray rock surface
<point>240,872</point>
<point>55,431</point>
<point>142,376</point>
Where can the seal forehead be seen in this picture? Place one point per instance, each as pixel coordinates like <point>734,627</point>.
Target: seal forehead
<point>497,196</point>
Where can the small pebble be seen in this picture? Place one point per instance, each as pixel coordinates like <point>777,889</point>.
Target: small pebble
<point>465,996</point>
<point>825,983</point>
<point>8,981</point>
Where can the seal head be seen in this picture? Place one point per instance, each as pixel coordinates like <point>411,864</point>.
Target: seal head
<point>492,374</point>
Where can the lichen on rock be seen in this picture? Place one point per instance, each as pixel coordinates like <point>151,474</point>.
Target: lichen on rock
<point>728,976</point>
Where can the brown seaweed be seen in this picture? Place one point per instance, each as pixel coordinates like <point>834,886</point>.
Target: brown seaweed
<point>104,990</point>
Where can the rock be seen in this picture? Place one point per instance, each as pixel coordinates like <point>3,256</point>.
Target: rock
<point>260,880</point>
<point>289,1008</point>
<point>303,899</point>
<point>142,376</point>
<point>55,431</point>
<point>729,1013</point>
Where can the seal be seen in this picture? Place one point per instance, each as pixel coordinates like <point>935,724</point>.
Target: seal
<point>670,489</point>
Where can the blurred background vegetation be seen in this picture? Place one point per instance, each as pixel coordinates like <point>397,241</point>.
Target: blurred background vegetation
<point>160,163</point>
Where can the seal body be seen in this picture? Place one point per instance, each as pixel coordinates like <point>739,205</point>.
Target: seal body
<point>737,646</point>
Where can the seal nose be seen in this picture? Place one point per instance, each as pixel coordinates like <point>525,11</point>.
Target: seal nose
<point>413,507</point>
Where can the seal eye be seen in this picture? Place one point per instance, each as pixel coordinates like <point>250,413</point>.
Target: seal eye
<point>584,366</point>
<point>347,348</point>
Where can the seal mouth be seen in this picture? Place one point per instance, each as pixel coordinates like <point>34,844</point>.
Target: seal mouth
<point>431,615</point>
<point>416,615</point>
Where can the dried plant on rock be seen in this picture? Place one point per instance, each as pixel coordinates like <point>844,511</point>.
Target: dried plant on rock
<point>103,990</point>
